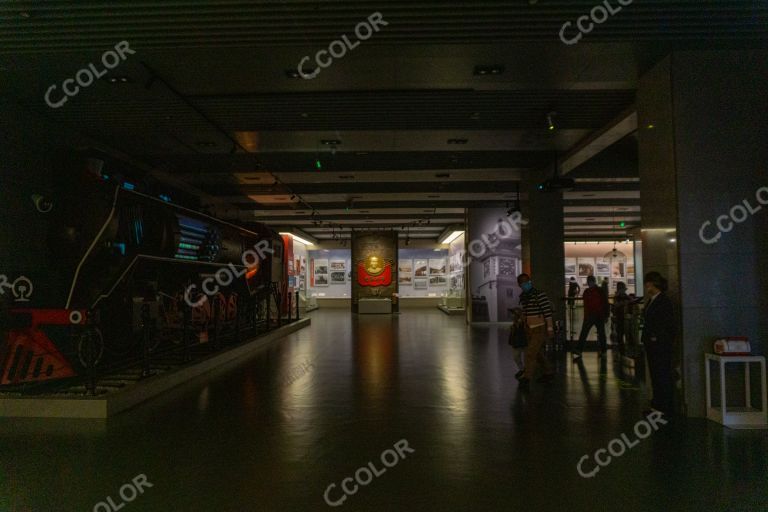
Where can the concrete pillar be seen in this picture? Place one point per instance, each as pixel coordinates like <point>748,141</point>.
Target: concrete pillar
<point>703,152</point>
<point>543,237</point>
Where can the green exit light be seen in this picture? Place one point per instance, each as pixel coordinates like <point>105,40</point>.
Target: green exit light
<point>622,224</point>
<point>318,164</point>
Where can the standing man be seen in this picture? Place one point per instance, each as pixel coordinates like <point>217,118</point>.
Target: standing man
<point>620,302</point>
<point>537,315</point>
<point>573,291</point>
<point>659,332</point>
<point>595,313</point>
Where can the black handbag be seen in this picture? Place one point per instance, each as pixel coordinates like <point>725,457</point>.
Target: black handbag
<point>517,335</point>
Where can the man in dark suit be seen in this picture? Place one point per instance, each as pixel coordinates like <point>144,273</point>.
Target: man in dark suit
<point>659,330</point>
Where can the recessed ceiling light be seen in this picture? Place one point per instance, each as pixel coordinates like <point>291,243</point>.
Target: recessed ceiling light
<point>294,72</point>
<point>458,141</point>
<point>330,142</point>
<point>489,70</point>
<point>118,79</point>
<point>443,175</point>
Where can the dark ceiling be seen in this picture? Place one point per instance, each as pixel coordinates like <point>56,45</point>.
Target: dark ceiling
<point>209,100</point>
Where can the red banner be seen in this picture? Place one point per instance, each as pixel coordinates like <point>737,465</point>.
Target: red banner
<point>383,278</point>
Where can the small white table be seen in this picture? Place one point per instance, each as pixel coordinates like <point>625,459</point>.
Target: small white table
<point>737,417</point>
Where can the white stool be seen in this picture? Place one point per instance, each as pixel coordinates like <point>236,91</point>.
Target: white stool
<point>737,417</point>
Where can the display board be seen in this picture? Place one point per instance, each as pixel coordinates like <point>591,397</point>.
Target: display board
<point>329,274</point>
<point>589,259</point>
<point>496,261</point>
<point>423,272</point>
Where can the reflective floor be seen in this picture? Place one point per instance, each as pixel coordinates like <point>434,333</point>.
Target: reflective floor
<point>275,431</point>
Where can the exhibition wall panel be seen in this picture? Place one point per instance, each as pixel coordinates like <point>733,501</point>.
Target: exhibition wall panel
<point>598,259</point>
<point>423,272</point>
<point>329,273</point>
<point>496,263</point>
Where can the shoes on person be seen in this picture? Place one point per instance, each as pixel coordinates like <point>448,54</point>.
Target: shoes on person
<point>546,379</point>
<point>519,374</point>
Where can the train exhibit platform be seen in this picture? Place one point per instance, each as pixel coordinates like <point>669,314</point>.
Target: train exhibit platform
<point>120,390</point>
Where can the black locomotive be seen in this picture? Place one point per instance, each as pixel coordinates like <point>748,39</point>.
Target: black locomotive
<point>124,266</point>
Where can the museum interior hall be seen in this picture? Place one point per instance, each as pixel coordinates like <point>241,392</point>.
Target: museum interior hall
<point>293,255</point>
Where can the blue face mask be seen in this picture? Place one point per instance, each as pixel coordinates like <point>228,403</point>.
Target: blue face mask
<point>527,286</point>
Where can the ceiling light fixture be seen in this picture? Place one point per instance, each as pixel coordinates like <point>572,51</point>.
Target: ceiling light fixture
<point>550,121</point>
<point>488,70</point>
<point>450,237</point>
<point>297,238</point>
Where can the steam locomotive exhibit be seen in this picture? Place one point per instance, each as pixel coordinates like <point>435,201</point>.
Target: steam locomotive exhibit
<point>133,275</point>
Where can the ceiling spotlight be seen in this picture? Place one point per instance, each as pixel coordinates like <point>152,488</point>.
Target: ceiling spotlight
<point>488,70</point>
<point>550,121</point>
<point>330,142</point>
<point>294,72</point>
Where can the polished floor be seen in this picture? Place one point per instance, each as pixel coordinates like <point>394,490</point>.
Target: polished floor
<point>275,431</point>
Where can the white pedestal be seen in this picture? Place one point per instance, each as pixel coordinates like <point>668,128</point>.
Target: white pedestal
<point>736,417</point>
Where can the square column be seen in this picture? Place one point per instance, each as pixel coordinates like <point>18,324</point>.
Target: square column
<point>703,127</point>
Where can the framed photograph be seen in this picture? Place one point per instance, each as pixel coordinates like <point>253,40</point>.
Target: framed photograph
<point>420,268</point>
<point>437,266</point>
<point>405,280</point>
<point>438,281</point>
<point>338,265</point>
<point>405,267</point>
<point>618,270</point>
<point>586,267</point>
<point>321,279</point>
<point>338,277</point>
<point>603,268</point>
<point>420,283</point>
<point>321,267</point>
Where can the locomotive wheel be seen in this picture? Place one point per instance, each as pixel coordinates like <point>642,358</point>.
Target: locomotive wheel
<point>90,347</point>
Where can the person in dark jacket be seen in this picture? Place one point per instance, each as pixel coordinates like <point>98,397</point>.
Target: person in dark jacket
<point>659,330</point>
<point>573,291</point>
<point>595,313</point>
<point>620,302</point>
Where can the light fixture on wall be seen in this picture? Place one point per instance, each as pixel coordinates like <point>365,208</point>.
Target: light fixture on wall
<point>297,238</point>
<point>450,236</point>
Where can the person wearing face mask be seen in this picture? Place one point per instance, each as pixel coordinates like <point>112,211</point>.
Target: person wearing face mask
<point>659,330</point>
<point>537,315</point>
